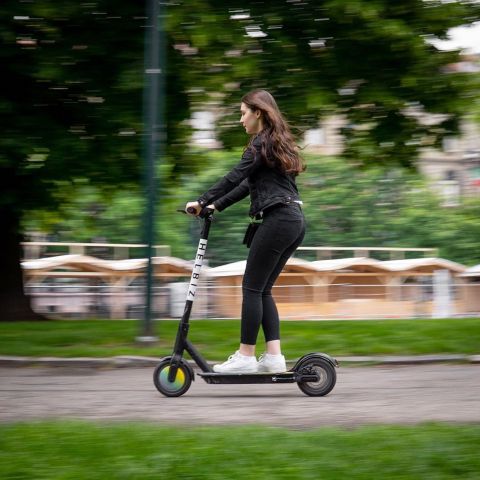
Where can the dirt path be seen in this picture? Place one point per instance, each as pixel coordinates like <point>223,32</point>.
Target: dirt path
<point>401,394</point>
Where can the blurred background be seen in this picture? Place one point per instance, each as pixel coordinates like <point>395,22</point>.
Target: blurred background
<point>383,98</point>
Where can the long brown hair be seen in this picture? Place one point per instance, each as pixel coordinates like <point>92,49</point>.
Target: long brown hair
<point>278,145</point>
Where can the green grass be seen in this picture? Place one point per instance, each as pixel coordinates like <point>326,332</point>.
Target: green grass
<point>70,450</point>
<point>219,338</point>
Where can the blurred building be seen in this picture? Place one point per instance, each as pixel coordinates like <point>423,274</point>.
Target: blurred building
<point>326,139</point>
<point>455,169</point>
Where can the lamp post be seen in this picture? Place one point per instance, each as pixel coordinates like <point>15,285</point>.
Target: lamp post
<point>153,142</point>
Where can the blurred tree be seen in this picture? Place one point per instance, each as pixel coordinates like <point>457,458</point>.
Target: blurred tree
<point>69,108</point>
<point>369,61</point>
<point>84,213</point>
<point>377,207</point>
<point>386,207</point>
<point>72,82</point>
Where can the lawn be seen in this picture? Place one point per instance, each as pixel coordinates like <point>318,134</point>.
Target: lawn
<point>70,450</point>
<point>218,338</point>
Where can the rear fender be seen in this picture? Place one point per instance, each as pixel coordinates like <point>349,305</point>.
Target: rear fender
<point>333,362</point>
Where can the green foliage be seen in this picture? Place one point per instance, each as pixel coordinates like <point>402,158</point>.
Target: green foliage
<point>94,451</point>
<point>70,110</point>
<point>225,241</point>
<point>385,207</point>
<point>344,206</point>
<point>89,214</point>
<point>71,100</point>
<point>350,207</point>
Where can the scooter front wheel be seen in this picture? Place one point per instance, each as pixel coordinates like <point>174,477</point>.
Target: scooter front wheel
<point>182,382</point>
<point>327,377</point>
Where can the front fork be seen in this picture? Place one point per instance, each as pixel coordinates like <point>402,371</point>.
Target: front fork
<point>178,350</point>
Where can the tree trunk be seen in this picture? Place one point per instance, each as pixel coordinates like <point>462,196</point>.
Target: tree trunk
<point>14,304</point>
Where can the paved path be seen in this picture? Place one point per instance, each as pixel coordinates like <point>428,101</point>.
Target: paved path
<point>363,395</point>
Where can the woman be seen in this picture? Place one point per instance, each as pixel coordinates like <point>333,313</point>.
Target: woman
<point>267,172</point>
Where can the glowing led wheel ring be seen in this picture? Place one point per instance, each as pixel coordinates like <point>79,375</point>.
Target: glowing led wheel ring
<point>180,384</point>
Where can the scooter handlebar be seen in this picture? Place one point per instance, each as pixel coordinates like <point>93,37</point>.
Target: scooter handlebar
<point>204,212</point>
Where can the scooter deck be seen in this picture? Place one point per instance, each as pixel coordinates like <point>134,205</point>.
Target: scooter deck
<point>231,378</point>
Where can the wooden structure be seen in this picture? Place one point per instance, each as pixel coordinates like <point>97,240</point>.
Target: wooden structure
<point>357,287</point>
<point>118,282</point>
<point>471,289</point>
<point>341,288</point>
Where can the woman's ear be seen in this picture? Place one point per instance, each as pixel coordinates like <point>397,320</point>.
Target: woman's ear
<point>258,113</point>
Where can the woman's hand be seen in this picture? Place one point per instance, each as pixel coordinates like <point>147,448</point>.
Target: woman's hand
<point>197,208</point>
<point>194,205</point>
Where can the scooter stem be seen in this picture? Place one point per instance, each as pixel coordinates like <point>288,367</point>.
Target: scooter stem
<point>200,256</point>
<point>181,342</point>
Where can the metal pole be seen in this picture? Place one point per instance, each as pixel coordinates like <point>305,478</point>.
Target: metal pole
<point>153,143</point>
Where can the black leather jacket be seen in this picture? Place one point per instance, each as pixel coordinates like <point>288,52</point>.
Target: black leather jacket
<point>267,186</point>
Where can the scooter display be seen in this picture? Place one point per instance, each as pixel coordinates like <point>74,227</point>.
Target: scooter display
<point>314,373</point>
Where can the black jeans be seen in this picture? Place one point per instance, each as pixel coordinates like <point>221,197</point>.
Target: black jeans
<point>279,235</point>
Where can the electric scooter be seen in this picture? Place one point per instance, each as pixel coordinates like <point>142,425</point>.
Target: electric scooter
<point>314,373</point>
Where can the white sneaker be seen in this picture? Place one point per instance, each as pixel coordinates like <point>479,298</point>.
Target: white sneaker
<point>272,363</point>
<point>237,363</point>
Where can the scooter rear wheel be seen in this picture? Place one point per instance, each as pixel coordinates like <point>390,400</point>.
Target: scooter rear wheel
<point>327,377</point>
<point>179,386</point>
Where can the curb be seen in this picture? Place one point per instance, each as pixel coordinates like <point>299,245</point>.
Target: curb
<point>79,362</point>
<point>132,361</point>
<point>410,359</point>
